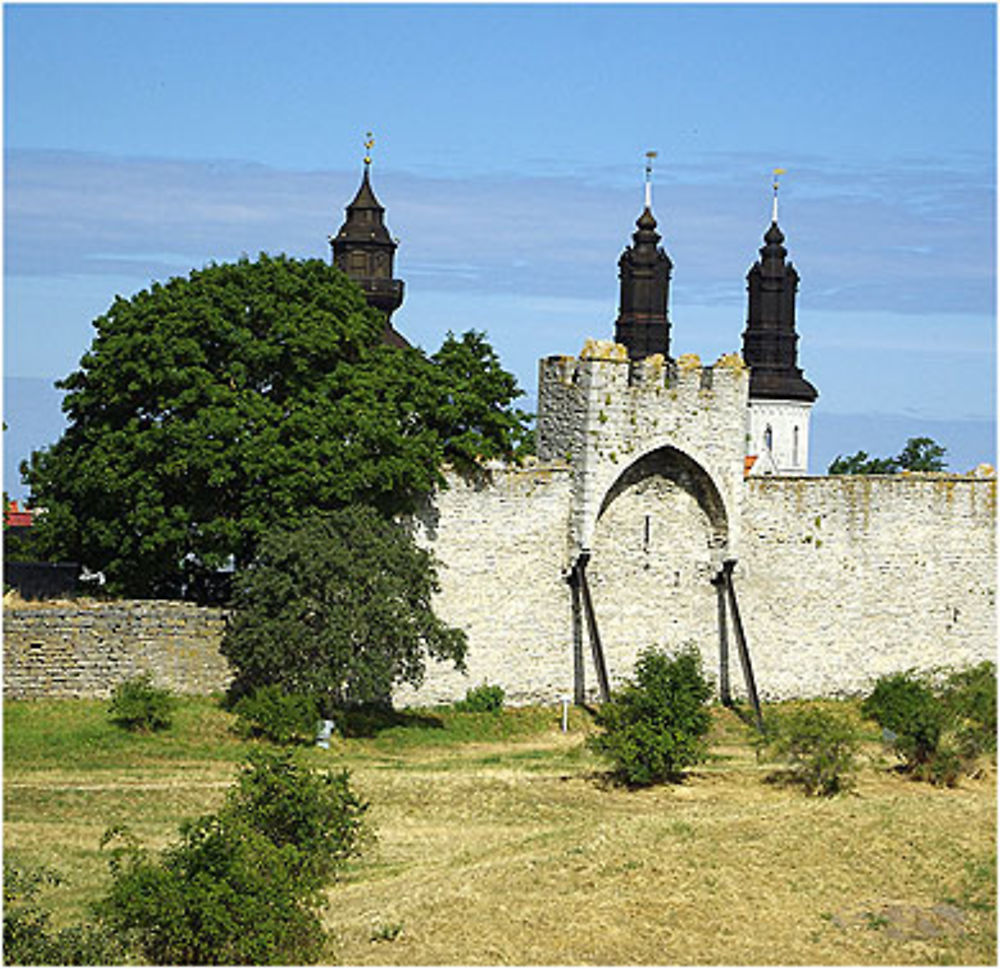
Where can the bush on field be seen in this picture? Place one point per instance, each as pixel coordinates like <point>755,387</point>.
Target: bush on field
<point>819,746</point>
<point>138,705</point>
<point>481,699</point>
<point>278,716</point>
<point>655,725</point>
<point>938,731</point>
<point>971,697</point>
<point>316,812</point>
<point>241,887</point>
<point>28,938</point>
<point>223,895</point>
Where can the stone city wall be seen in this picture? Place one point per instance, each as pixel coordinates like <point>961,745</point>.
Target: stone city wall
<point>839,580</point>
<point>82,648</point>
<point>503,548</point>
<point>846,578</point>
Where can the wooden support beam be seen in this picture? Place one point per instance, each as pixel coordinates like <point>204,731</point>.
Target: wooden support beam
<point>579,575</point>
<point>725,693</point>
<point>741,642</point>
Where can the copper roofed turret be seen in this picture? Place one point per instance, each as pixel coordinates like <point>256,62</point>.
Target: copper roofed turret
<point>644,270</point>
<point>364,250</point>
<point>770,343</point>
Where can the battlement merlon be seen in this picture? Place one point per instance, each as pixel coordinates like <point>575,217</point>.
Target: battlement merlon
<point>603,383</point>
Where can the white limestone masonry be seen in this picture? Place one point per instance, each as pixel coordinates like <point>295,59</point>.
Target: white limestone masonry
<point>839,579</point>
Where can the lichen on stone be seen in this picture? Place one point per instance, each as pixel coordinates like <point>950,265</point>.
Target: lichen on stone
<point>604,350</point>
<point>731,361</point>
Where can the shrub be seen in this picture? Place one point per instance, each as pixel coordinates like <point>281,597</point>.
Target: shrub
<point>223,895</point>
<point>971,697</point>
<point>819,746</point>
<point>314,811</point>
<point>904,706</point>
<point>283,718</point>
<point>28,939</point>
<point>138,705</point>
<point>938,732</point>
<point>655,725</point>
<point>482,699</point>
<point>243,886</point>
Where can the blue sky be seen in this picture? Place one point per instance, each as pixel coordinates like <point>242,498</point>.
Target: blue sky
<point>142,141</point>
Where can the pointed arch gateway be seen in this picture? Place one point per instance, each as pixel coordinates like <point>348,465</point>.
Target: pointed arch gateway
<point>684,472</point>
<point>658,572</point>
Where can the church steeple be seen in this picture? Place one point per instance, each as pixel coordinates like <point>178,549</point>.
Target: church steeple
<point>364,250</point>
<point>644,269</point>
<point>770,343</point>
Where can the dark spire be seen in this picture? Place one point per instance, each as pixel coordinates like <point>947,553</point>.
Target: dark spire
<point>644,270</point>
<point>364,250</point>
<point>770,341</point>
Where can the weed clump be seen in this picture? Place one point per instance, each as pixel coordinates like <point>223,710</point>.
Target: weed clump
<point>655,725</point>
<point>481,699</point>
<point>273,714</point>
<point>139,706</point>
<point>818,746</point>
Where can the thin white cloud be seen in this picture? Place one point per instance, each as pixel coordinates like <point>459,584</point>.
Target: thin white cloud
<point>914,238</point>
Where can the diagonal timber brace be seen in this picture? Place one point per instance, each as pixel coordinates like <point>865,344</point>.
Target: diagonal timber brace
<point>578,580</point>
<point>727,595</point>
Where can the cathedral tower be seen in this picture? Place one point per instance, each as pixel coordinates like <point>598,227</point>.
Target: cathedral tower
<point>781,398</point>
<point>643,326</point>
<point>364,250</point>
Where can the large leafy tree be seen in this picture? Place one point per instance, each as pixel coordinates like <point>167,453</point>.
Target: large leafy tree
<point>919,454</point>
<point>212,407</point>
<point>338,607</point>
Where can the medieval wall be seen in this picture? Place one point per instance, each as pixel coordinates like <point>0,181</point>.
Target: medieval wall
<point>839,580</point>
<point>83,648</point>
<point>846,578</point>
<point>502,547</point>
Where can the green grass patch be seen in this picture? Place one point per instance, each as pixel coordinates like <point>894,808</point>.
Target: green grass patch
<point>77,734</point>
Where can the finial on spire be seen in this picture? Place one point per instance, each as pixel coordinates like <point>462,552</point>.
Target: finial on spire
<point>369,144</point>
<point>650,155</point>
<point>774,204</point>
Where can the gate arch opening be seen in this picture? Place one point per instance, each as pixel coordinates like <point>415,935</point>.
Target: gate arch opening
<point>674,465</point>
<point>659,538</point>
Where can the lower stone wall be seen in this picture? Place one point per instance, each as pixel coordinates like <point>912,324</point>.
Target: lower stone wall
<point>84,648</point>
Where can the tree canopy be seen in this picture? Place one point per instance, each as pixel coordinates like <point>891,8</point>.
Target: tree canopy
<point>214,406</point>
<point>919,454</point>
<point>338,607</point>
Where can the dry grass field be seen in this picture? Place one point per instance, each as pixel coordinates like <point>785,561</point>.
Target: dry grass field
<point>499,840</point>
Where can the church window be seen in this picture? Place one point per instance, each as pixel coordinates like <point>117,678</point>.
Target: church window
<point>768,438</point>
<point>795,445</point>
